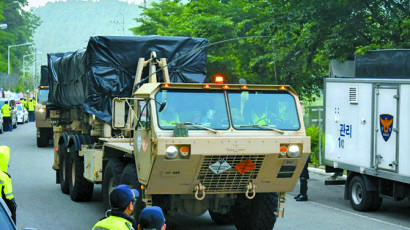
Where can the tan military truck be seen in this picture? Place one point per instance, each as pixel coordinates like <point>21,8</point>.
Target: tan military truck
<point>43,125</point>
<point>231,149</point>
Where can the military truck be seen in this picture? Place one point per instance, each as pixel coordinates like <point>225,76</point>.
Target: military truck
<point>43,125</point>
<point>187,147</point>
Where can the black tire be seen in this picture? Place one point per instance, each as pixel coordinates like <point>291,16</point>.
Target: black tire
<point>42,141</point>
<point>377,202</point>
<point>64,164</point>
<point>1,129</point>
<point>255,214</point>
<point>222,219</point>
<point>80,188</point>
<point>130,177</point>
<point>111,178</point>
<point>360,199</point>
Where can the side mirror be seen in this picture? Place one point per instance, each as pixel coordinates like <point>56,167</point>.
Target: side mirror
<point>118,113</point>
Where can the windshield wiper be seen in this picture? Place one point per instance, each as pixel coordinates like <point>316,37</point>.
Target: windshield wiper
<point>264,126</point>
<point>200,126</point>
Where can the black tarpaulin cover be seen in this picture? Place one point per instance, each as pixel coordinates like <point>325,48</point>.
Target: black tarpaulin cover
<point>394,63</point>
<point>92,77</point>
<point>44,76</point>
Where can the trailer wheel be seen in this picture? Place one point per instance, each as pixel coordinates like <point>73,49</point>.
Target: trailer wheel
<point>63,168</point>
<point>255,214</point>
<point>42,141</point>
<point>80,188</point>
<point>130,177</point>
<point>360,199</point>
<point>111,178</point>
<point>222,219</point>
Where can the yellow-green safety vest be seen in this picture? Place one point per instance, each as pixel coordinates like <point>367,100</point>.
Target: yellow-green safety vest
<point>5,110</point>
<point>113,222</point>
<point>6,186</point>
<point>31,105</point>
<point>260,120</point>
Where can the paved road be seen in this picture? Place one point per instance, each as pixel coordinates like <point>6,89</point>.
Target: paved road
<point>42,205</point>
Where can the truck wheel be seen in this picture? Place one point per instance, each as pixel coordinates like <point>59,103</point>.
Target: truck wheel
<point>255,214</point>
<point>63,168</point>
<point>360,199</point>
<point>222,219</point>
<point>377,203</point>
<point>80,188</point>
<point>42,141</point>
<point>130,177</point>
<point>111,178</point>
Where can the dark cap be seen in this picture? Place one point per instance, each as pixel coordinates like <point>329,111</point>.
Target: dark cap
<point>121,196</point>
<point>152,218</point>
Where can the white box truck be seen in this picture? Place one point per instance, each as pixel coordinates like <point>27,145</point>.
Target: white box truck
<point>367,127</point>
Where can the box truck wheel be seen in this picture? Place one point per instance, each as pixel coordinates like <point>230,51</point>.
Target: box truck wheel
<point>80,188</point>
<point>130,177</point>
<point>222,219</point>
<point>63,167</point>
<point>255,214</point>
<point>360,199</point>
<point>111,178</point>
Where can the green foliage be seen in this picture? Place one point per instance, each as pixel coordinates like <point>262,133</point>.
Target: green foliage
<point>20,28</point>
<point>293,39</point>
<point>313,133</point>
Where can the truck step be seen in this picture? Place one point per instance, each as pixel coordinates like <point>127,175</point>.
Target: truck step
<point>335,182</point>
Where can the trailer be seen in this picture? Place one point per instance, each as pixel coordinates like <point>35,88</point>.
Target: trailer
<point>367,127</point>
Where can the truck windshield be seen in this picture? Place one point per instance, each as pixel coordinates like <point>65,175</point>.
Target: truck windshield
<point>194,108</point>
<point>263,109</point>
<point>42,96</point>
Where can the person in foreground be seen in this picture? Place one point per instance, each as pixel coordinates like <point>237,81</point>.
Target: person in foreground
<point>122,200</point>
<point>152,218</point>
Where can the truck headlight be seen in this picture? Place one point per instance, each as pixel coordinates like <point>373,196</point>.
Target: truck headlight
<point>293,151</point>
<point>171,152</point>
<point>41,110</point>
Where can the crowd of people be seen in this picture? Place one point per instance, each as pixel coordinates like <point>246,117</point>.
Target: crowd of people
<point>7,108</point>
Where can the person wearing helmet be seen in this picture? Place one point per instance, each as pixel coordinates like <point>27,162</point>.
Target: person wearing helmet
<point>122,199</point>
<point>6,187</point>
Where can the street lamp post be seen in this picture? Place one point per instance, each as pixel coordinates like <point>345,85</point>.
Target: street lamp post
<point>8,54</point>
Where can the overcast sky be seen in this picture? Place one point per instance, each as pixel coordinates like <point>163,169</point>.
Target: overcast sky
<point>38,3</point>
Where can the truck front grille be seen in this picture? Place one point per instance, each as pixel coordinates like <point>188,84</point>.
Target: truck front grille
<point>230,180</point>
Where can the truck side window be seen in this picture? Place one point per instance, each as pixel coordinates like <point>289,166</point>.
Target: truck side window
<point>144,111</point>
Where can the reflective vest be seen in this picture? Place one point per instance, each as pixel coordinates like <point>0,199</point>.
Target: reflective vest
<point>31,105</point>
<point>23,103</point>
<point>5,110</point>
<point>6,186</point>
<point>171,122</point>
<point>113,222</point>
<point>260,120</point>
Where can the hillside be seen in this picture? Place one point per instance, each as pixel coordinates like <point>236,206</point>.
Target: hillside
<point>67,26</point>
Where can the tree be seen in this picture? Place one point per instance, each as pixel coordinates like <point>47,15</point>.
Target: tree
<point>288,41</point>
<point>20,28</point>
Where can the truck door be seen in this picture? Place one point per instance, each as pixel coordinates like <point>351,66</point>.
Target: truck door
<point>386,120</point>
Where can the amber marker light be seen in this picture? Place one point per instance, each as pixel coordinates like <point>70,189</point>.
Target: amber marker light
<point>283,149</point>
<point>282,87</point>
<point>244,87</point>
<point>225,87</point>
<point>206,86</point>
<point>219,79</point>
<point>142,187</point>
<point>184,150</point>
<point>166,85</point>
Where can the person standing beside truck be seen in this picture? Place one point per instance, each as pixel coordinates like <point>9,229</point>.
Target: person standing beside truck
<point>304,176</point>
<point>31,110</point>
<point>6,187</point>
<point>122,200</point>
<point>6,111</point>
